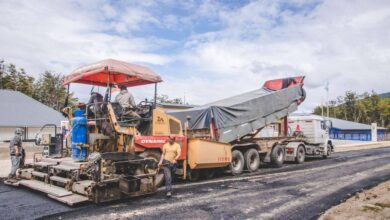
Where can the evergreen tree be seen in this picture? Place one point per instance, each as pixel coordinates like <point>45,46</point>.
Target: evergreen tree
<point>49,90</point>
<point>365,108</point>
<point>165,99</point>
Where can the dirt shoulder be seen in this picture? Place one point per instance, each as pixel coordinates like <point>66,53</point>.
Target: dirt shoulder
<point>369,204</point>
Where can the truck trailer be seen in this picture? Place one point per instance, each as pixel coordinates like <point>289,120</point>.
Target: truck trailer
<point>238,120</point>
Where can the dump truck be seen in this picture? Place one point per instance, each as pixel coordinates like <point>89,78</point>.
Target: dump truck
<point>237,121</point>
<point>113,156</point>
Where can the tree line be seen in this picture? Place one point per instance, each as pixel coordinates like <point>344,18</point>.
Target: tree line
<point>47,88</point>
<point>364,108</point>
<point>166,99</point>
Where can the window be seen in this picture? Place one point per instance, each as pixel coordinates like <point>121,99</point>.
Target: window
<point>323,126</point>
<point>174,126</point>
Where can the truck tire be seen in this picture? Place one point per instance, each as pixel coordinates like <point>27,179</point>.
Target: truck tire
<point>252,160</point>
<point>277,156</point>
<point>328,152</point>
<point>208,173</point>
<point>193,175</point>
<point>300,157</point>
<point>155,155</point>
<point>238,162</point>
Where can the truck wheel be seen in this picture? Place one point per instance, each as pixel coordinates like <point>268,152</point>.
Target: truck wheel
<point>252,160</point>
<point>300,157</point>
<point>208,173</point>
<point>277,156</point>
<point>155,155</point>
<point>193,175</point>
<point>237,164</point>
<point>328,152</point>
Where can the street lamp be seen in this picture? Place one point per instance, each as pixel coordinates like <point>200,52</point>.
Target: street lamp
<point>327,98</point>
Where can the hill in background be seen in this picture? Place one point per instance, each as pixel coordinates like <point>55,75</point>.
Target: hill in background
<point>385,95</point>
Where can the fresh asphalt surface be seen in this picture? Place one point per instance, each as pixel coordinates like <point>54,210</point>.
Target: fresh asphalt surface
<point>294,191</point>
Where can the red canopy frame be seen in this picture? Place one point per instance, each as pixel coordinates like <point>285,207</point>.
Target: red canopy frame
<point>112,72</point>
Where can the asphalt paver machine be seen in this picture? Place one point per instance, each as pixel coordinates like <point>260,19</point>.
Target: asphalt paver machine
<point>101,164</point>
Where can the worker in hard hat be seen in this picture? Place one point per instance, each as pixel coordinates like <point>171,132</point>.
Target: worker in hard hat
<point>126,101</point>
<point>16,154</point>
<point>168,161</point>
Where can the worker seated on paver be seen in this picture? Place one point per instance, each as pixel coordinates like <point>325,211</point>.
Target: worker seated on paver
<point>95,105</point>
<point>127,103</point>
<point>16,154</point>
<point>168,162</point>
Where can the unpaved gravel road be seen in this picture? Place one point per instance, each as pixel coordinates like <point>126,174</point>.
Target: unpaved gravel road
<point>293,192</point>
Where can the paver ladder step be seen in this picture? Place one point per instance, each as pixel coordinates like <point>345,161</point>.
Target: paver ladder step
<point>60,179</point>
<point>44,164</point>
<point>65,167</point>
<point>39,174</point>
<point>46,188</point>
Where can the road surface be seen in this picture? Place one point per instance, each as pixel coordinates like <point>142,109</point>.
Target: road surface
<point>293,192</point>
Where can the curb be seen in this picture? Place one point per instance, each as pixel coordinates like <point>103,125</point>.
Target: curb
<point>365,144</point>
<point>361,146</point>
<point>358,145</point>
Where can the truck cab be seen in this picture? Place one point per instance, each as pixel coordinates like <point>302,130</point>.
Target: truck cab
<point>313,130</point>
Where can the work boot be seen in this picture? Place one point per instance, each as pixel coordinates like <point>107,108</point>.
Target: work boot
<point>10,180</point>
<point>169,194</point>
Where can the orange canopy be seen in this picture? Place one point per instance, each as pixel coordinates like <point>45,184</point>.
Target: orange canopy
<point>113,72</point>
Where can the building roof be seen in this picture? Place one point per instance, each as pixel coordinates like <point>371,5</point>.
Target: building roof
<point>350,125</point>
<point>336,123</point>
<point>20,110</point>
<point>304,116</point>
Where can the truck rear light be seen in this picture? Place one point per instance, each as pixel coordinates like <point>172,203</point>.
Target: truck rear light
<point>290,150</point>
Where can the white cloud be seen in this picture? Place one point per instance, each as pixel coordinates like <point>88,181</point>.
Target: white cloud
<point>61,35</point>
<point>343,42</point>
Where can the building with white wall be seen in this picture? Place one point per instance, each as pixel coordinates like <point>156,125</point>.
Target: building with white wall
<point>18,110</point>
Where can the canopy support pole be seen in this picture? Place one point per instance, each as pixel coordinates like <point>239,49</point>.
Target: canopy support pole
<point>108,86</point>
<point>155,95</point>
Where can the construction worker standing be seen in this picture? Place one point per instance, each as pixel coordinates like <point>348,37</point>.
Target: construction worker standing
<point>16,153</point>
<point>168,161</point>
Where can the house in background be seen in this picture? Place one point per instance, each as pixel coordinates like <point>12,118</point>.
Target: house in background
<point>348,130</point>
<point>18,110</point>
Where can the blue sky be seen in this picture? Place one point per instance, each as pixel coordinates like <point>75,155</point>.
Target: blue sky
<point>207,50</point>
